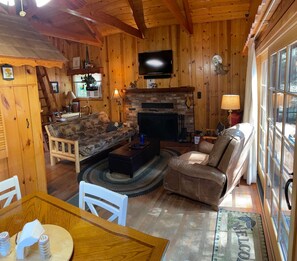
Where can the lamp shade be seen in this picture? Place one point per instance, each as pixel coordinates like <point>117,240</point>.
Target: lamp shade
<point>116,94</point>
<point>230,102</point>
<point>70,96</point>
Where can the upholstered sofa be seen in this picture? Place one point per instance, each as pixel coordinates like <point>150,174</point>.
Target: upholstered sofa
<point>83,137</point>
<point>211,173</point>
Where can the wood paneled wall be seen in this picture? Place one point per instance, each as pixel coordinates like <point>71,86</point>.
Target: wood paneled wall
<point>192,65</point>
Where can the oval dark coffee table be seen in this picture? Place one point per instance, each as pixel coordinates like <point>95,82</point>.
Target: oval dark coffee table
<point>130,157</point>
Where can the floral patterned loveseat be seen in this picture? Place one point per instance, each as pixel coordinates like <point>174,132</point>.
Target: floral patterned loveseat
<point>83,137</point>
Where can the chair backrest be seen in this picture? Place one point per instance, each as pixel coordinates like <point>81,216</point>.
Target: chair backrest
<point>96,196</point>
<point>8,189</point>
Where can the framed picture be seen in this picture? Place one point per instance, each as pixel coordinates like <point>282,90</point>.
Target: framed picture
<point>76,63</point>
<point>7,72</point>
<point>55,86</point>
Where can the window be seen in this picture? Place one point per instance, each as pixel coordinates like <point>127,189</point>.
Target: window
<point>94,90</point>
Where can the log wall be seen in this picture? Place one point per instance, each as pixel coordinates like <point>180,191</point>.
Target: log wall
<point>192,65</point>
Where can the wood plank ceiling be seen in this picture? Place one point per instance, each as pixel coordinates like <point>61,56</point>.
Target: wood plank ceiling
<point>88,21</point>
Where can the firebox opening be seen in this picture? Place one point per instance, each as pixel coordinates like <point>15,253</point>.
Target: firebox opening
<point>163,126</point>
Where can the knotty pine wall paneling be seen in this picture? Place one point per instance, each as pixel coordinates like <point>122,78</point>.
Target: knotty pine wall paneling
<point>72,49</point>
<point>192,63</point>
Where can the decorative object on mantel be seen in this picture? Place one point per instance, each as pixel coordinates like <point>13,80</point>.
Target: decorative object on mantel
<point>230,102</point>
<point>7,72</point>
<point>133,85</point>
<point>218,63</point>
<point>188,102</point>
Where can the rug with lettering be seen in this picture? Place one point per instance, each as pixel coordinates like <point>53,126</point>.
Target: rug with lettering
<point>239,236</point>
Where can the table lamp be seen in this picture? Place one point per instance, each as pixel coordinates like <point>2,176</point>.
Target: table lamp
<point>230,102</point>
<point>70,97</point>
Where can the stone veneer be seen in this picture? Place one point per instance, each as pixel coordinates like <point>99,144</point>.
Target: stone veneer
<point>175,95</point>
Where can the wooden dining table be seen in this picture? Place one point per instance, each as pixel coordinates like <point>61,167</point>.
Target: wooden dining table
<point>94,238</point>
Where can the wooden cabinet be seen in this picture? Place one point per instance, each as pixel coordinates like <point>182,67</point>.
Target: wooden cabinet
<point>21,115</point>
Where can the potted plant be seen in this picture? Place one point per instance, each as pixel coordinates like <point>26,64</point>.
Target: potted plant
<point>90,82</point>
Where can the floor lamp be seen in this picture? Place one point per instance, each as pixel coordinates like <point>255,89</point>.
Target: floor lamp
<point>230,102</point>
<point>117,97</point>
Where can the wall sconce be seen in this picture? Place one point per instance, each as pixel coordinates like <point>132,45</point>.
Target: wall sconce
<point>218,63</point>
<point>230,102</point>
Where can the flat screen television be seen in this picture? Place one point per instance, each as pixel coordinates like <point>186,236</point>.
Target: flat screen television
<point>157,64</point>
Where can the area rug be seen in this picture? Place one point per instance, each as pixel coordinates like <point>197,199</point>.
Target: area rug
<point>145,179</point>
<point>239,236</point>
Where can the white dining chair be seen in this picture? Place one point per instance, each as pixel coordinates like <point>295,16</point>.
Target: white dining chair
<point>96,196</point>
<point>8,189</point>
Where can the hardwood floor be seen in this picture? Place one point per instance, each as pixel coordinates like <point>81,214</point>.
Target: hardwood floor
<point>189,225</point>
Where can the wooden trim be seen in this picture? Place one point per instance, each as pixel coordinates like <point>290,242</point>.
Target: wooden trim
<point>3,143</point>
<point>84,71</point>
<point>14,61</point>
<point>160,90</point>
<point>278,30</point>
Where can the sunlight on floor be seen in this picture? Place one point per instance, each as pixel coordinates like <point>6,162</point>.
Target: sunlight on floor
<point>237,201</point>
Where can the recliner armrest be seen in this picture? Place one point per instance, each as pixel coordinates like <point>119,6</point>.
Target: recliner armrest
<point>205,146</point>
<point>197,171</point>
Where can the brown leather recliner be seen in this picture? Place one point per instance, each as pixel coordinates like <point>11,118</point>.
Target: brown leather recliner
<point>211,173</point>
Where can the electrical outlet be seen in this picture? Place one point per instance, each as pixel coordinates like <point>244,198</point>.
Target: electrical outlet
<point>198,95</point>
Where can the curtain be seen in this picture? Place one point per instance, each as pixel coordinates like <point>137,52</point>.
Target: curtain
<point>250,113</point>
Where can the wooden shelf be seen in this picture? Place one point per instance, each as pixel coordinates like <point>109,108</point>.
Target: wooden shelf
<point>85,71</point>
<point>160,90</point>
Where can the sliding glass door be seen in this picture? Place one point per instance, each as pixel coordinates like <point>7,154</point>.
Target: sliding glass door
<point>279,135</point>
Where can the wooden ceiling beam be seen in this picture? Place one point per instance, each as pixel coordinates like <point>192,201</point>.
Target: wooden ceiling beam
<point>94,31</point>
<point>138,14</point>
<point>99,17</point>
<point>63,34</point>
<point>188,14</point>
<point>175,10</point>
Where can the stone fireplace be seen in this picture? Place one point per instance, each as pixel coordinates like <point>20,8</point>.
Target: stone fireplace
<point>160,112</point>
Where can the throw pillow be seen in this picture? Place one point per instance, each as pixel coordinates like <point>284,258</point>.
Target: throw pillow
<point>103,117</point>
<point>112,126</point>
<point>218,150</point>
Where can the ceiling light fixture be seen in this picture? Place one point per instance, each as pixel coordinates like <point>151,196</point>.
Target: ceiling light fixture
<point>40,3</point>
<point>22,13</point>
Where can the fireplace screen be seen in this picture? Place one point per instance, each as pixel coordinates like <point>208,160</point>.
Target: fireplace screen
<point>158,125</point>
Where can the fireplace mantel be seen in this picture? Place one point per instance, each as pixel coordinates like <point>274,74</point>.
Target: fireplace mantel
<point>161,90</point>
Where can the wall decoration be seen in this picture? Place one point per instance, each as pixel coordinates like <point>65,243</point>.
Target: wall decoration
<point>76,63</point>
<point>55,87</point>
<point>7,72</point>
